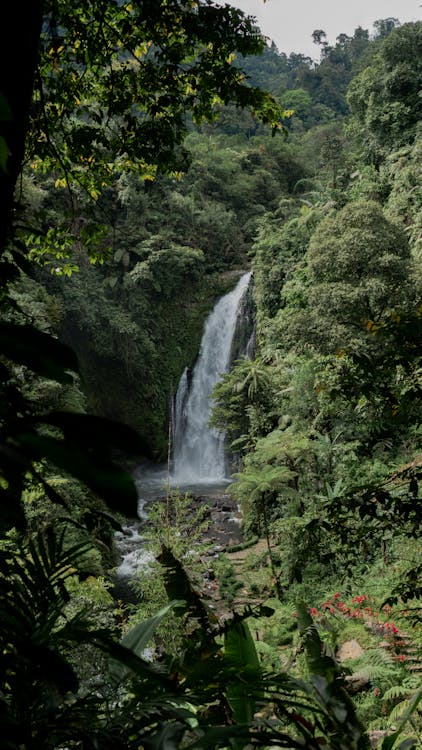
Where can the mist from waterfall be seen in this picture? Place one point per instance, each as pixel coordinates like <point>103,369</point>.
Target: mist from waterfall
<point>198,450</point>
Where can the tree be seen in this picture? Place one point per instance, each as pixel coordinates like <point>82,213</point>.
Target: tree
<point>359,272</point>
<point>404,201</point>
<point>112,84</point>
<point>384,99</point>
<point>384,26</point>
<point>319,37</point>
<point>15,98</point>
<point>242,398</point>
<point>299,100</point>
<point>356,325</point>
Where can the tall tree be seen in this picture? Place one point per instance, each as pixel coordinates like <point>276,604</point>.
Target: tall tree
<point>385,97</point>
<point>112,83</point>
<point>16,85</point>
<point>359,272</point>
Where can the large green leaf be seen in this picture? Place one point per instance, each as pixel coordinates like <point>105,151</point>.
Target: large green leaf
<point>179,586</point>
<point>221,736</point>
<point>4,154</point>
<point>241,656</point>
<point>137,639</point>
<point>5,111</point>
<point>139,636</point>
<point>50,666</point>
<point>102,476</point>
<point>96,433</point>
<point>39,351</point>
<point>168,737</point>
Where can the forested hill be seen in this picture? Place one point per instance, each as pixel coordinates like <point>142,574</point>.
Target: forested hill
<point>152,173</point>
<point>315,91</point>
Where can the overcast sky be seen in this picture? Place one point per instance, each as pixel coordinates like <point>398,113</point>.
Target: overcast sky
<point>290,23</point>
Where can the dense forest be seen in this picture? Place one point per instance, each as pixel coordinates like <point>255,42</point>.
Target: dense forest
<point>149,154</point>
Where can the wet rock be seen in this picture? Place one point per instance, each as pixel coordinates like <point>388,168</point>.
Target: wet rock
<point>357,682</point>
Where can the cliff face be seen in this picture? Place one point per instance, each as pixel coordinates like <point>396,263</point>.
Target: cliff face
<point>130,370</point>
<point>244,337</point>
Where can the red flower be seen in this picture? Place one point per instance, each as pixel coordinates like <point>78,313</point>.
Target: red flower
<point>359,599</point>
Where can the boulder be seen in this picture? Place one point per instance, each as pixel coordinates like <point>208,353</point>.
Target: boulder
<point>349,650</point>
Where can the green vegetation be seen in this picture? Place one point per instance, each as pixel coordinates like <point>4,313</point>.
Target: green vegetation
<point>327,416</point>
<point>148,181</point>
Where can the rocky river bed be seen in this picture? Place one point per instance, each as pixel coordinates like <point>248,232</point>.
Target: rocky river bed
<point>223,531</point>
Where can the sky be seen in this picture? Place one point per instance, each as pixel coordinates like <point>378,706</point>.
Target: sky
<point>290,23</point>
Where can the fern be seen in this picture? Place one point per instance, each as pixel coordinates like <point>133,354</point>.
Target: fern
<point>394,692</point>
<point>398,711</point>
<point>379,666</point>
<point>407,715</point>
<point>406,698</point>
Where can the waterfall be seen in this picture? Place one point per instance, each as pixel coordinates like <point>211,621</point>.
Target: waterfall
<point>198,450</point>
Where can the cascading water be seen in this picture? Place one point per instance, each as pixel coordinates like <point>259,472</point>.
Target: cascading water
<point>198,450</point>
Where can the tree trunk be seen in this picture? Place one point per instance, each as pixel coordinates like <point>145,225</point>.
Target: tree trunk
<point>21,24</point>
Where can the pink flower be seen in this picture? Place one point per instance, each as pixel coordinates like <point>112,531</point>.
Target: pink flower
<point>337,596</point>
<point>313,611</point>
